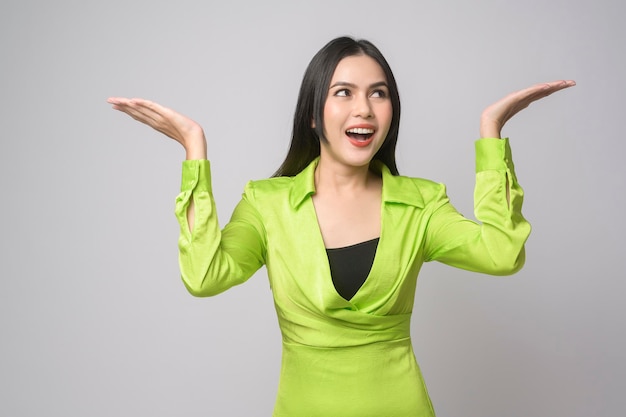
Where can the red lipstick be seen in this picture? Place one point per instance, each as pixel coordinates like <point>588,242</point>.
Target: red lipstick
<point>361,135</point>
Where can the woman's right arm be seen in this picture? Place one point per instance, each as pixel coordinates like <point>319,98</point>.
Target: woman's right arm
<point>172,124</point>
<point>211,260</point>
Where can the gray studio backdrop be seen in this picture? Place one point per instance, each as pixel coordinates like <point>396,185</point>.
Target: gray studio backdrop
<point>94,320</point>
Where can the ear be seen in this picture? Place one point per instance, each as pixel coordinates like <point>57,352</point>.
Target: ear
<point>312,123</point>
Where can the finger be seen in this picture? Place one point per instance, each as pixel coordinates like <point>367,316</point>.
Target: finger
<point>545,89</point>
<point>560,85</point>
<point>136,103</point>
<point>154,111</point>
<point>523,98</point>
<point>140,114</point>
<point>116,100</point>
<point>139,110</point>
<point>148,105</point>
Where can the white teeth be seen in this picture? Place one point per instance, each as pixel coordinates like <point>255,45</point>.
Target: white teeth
<point>361,131</point>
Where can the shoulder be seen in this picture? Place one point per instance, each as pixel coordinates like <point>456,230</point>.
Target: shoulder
<point>414,191</point>
<point>269,193</point>
<point>428,188</point>
<point>285,190</point>
<point>423,184</point>
<point>270,186</point>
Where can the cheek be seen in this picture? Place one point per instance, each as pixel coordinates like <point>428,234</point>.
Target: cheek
<point>389,112</point>
<point>332,116</point>
<point>385,115</point>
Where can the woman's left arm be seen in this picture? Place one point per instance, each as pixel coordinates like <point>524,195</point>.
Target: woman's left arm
<point>496,244</point>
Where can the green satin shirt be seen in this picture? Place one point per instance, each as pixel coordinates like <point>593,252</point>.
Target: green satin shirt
<point>350,357</point>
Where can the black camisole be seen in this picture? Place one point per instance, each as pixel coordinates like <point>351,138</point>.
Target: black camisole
<point>350,266</point>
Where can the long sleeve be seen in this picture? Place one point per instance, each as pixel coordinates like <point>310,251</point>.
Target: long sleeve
<point>213,260</point>
<point>495,245</point>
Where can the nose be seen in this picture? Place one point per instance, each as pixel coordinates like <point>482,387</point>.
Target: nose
<point>363,107</point>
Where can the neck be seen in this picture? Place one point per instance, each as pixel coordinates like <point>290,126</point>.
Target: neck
<point>335,177</point>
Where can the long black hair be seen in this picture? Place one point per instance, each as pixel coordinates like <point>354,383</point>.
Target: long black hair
<point>305,140</point>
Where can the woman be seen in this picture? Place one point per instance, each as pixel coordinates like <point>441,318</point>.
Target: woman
<point>343,236</point>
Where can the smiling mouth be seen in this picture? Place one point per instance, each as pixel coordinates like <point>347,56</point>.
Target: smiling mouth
<point>360,134</point>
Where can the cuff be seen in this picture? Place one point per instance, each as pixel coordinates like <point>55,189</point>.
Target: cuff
<point>493,154</point>
<point>196,175</point>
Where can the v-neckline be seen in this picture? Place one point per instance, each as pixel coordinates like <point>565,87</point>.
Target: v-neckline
<point>328,279</point>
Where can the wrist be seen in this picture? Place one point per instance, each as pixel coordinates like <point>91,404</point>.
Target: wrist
<point>196,148</point>
<point>490,130</point>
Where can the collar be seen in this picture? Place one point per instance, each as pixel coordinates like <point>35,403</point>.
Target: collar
<point>303,184</point>
<point>396,188</point>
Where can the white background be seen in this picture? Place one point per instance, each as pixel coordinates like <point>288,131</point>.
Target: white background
<point>94,320</point>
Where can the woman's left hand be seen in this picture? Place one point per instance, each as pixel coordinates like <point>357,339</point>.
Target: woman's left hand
<point>496,115</point>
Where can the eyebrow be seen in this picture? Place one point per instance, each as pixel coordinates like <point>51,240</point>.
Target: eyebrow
<point>347,84</point>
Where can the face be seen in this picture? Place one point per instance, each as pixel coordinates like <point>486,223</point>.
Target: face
<point>357,112</point>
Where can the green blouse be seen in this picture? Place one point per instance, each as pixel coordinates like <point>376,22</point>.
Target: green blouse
<point>349,357</point>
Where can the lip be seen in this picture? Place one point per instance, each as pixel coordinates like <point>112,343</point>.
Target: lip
<point>362,126</point>
<point>361,143</point>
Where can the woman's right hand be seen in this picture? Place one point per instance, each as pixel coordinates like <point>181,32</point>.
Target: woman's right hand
<point>167,121</point>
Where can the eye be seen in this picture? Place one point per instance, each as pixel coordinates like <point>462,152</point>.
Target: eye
<point>344,92</point>
<point>379,93</point>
